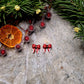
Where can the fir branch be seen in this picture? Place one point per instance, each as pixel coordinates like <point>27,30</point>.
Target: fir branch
<point>27,7</point>
<point>73,11</point>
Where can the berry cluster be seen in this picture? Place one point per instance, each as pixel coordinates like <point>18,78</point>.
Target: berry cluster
<point>46,15</point>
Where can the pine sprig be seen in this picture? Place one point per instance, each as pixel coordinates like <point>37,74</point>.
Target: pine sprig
<point>73,11</point>
<point>17,8</point>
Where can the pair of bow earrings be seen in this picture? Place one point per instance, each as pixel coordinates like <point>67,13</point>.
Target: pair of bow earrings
<point>36,48</point>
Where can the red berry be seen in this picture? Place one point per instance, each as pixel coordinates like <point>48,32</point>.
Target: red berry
<point>18,46</point>
<point>30,21</point>
<point>48,15</point>
<point>31,27</point>
<point>38,46</point>
<point>33,46</point>
<point>42,24</point>
<point>45,7</point>
<point>26,38</point>
<point>49,46</point>
<point>26,30</point>
<point>44,46</point>
<point>29,33</point>
<point>3,52</point>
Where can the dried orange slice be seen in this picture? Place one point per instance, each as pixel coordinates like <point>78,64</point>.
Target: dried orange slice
<point>10,35</point>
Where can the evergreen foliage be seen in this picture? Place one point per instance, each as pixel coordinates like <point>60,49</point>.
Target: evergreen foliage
<point>17,8</point>
<point>73,11</point>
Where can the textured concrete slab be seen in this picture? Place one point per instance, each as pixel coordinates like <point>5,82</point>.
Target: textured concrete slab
<point>63,65</point>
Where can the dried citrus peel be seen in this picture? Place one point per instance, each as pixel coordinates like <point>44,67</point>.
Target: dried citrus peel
<point>10,36</point>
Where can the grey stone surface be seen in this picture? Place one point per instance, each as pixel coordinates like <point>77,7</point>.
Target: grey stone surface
<point>63,65</point>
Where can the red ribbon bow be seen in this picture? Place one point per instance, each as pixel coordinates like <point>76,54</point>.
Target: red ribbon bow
<point>47,47</point>
<point>36,48</point>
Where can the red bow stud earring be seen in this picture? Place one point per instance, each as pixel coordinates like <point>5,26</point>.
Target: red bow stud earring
<point>36,48</point>
<point>47,47</point>
<point>44,47</point>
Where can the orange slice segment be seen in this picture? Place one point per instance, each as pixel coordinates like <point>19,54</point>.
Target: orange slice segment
<point>10,35</point>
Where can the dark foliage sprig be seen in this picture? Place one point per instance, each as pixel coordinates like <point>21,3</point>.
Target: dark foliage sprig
<point>17,8</point>
<point>73,11</point>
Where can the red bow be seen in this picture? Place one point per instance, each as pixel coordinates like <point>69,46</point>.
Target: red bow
<point>36,48</point>
<point>47,47</point>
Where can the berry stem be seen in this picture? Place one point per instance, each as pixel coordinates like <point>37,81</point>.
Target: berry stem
<point>21,28</point>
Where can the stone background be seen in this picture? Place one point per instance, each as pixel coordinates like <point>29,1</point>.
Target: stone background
<point>63,65</point>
